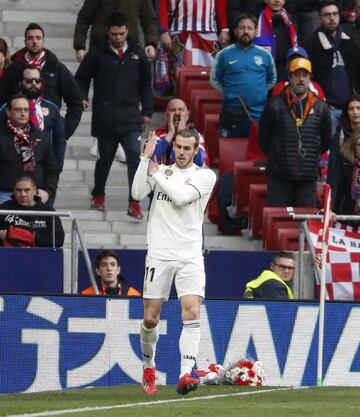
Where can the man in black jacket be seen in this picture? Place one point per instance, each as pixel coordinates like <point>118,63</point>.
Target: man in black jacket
<point>24,148</point>
<point>59,82</point>
<point>22,230</point>
<point>122,83</point>
<point>294,129</point>
<point>336,59</point>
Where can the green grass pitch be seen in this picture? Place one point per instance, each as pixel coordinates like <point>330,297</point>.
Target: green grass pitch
<point>207,401</point>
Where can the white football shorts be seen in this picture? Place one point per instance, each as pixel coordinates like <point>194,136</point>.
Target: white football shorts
<point>189,277</point>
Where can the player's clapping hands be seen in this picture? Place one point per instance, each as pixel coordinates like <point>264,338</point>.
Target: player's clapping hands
<point>150,145</point>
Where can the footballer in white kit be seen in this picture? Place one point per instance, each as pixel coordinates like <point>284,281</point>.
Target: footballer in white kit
<point>174,239</point>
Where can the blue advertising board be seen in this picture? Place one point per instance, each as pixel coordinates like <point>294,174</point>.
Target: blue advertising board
<point>58,342</point>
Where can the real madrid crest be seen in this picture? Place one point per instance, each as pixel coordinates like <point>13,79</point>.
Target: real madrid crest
<point>168,172</point>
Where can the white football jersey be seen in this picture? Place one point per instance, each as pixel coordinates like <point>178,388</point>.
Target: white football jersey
<point>175,224</point>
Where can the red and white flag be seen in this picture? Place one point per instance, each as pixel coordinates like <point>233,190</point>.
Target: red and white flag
<point>342,278</point>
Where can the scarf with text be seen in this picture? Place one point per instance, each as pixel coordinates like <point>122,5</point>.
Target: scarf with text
<point>24,145</point>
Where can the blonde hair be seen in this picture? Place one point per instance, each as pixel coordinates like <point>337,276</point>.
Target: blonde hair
<point>348,148</point>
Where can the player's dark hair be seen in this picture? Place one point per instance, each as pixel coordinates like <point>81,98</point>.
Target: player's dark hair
<point>106,253</point>
<point>189,133</point>
<point>244,16</point>
<point>34,26</point>
<point>117,19</point>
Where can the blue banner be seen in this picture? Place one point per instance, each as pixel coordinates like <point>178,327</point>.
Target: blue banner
<point>55,342</point>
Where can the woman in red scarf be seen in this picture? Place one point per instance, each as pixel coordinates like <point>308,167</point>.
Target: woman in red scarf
<point>347,174</point>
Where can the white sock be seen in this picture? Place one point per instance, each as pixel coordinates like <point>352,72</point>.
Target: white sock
<point>149,338</point>
<point>189,345</point>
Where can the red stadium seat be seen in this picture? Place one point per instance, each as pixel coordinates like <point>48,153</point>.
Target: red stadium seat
<point>287,239</point>
<point>279,217</point>
<point>245,173</point>
<point>211,135</point>
<point>257,201</point>
<point>204,102</point>
<point>231,150</point>
<point>254,151</point>
<point>183,72</point>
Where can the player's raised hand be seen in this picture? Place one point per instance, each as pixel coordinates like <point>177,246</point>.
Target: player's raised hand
<point>150,145</point>
<point>152,167</point>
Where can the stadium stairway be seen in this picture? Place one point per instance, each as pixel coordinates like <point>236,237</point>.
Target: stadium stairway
<point>112,228</point>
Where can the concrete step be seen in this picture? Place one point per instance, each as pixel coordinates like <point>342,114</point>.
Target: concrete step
<point>96,240</point>
<point>59,5</point>
<point>38,16</point>
<point>53,30</point>
<point>80,202</point>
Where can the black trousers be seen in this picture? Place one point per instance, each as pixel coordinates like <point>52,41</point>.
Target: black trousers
<point>130,141</point>
<point>283,193</point>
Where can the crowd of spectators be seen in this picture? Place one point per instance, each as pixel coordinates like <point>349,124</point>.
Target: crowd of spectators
<point>311,48</point>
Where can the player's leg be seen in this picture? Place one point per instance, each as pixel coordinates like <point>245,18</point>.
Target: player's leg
<point>149,336</point>
<point>156,289</point>
<point>190,286</point>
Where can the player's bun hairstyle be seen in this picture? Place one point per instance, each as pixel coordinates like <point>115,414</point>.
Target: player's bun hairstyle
<point>189,133</point>
<point>106,253</point>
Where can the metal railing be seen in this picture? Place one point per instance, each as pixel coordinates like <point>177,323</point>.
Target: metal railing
<point>76,234</point>
<point>304,236</point>
<point>37,213</point>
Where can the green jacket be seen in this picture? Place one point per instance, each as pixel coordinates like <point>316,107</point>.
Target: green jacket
<point>95,13</point>
<point>268,285</point>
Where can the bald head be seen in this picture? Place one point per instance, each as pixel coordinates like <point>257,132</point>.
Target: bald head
<point>178,111</point>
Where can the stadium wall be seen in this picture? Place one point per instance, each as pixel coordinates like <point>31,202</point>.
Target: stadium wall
<point>67,342</point>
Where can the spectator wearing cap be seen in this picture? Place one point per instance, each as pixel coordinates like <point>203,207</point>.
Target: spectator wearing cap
<point>4,56</point>
<point>298,52</point>
<point>353,28</point>
<point>336,59</point>
<point>294,129</point>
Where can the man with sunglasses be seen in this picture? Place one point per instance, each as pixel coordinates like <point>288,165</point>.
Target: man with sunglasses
<point>43,114</point>
<point>273,282</point>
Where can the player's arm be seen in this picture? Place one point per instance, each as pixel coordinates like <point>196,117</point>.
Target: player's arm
<point>188,192</point>
<point>142,184</point>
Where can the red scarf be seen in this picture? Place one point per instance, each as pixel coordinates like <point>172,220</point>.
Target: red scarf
<point>265,34</point>
<point>24,145</point>
<point>35,113</point>
<point>355,185</point>
<point>25,58</point>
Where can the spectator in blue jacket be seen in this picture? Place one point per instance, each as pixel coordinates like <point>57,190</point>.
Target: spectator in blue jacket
<point>244,73</point>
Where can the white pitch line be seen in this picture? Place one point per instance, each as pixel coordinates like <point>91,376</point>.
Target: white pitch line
<point>142,404</point>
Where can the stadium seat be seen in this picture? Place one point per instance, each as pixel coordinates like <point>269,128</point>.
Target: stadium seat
<point>287,239</point>
<point>245,173</point>
<point>204,102</point>
<point>254,151</point>
<point>189,80</point>
<point>257,201</point>
<point>279,217</point>
<point>183,72</point>
<point>211,135</point>
<point>231,150</point>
